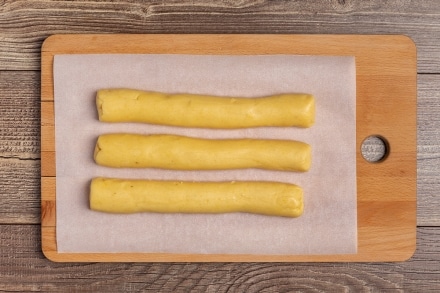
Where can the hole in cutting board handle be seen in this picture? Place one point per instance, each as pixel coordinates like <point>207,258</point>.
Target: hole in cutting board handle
<point>375,148</point>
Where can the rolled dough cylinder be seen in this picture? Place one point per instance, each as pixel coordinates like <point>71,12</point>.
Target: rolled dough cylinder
<point>189,110</point>
<point>188,153</point>
<point>132,196</point>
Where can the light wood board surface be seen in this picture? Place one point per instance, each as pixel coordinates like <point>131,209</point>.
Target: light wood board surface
<point>386,106</point>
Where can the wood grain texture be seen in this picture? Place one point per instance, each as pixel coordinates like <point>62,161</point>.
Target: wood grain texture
<point>25,24</point>
<point>19,147</point>
<point>386,101</point>
<point>19,191</point>
<point>19,115</point>
<point>428,151</point>
<point>24,268</point>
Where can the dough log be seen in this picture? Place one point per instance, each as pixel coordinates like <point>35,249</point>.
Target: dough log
<point>187,153</point>
<point>190,110</point>
<point>132,196</point>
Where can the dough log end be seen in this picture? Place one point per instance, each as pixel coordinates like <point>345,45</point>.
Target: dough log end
<point>99,105</point>
<point>94,194</point>
<point>290,203</point>
<point>105,196</point>
<point>305,110</point>
<point>299,158</point>
<point>307,160</point>
<point>96,152</point>
<point>298,209</point>
<point>311,112</point>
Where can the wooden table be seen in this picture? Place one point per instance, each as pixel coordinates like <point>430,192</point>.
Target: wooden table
<point>25,24</point>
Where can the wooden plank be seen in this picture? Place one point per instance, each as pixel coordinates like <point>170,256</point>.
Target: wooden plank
<point>25,24</point>
<point>19,147</point>
<point>386,101</point>
<point>19,115</point>
<point>19,191</point>
<point>21,256</point>
<point>428,151</point>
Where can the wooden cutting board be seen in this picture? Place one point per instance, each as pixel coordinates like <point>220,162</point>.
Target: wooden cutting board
<point>386,106</point>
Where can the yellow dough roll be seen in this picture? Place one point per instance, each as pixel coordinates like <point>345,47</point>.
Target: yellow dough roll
<point>188,153</point>
<point>133,196</point>
<point>190,110</point>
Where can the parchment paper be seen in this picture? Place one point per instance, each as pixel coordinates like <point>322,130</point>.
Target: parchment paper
<point>328,225</point>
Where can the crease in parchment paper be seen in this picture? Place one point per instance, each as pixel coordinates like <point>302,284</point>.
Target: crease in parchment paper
<point>329,222</point>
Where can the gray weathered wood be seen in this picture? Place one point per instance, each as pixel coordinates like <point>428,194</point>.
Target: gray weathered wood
<point>19,147</point>
<point>25,24</point>
<point>19,114</point>
<point>428,150</point>
<point>21,256</point>
<point>19,191</point>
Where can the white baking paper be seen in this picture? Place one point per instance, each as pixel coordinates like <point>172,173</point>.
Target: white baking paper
<point>329,222</point>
